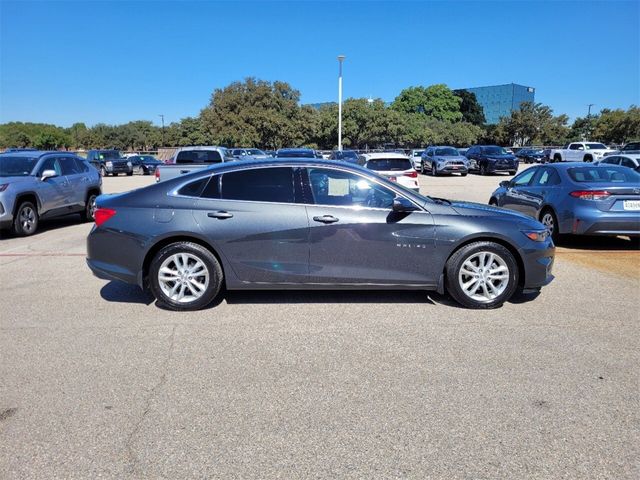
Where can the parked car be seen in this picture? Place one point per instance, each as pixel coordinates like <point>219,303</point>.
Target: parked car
<point>443,159</point>
<point>576,198</point>
<point>629,160</point>
<point>546,155</point>
<point>416,158</point>
<point>189,159</point>
<point>631,147</point>
<point>396,167</point>
<point>580,152</point>
<point>109,162</point>
<point>248,154</point>
<point>531,155</point>
<point>144,164</point>
<point>297,153</point>
<point>349,156</point>
<point>35,185</point>
<point>488,159</point>
<point>311,224</point>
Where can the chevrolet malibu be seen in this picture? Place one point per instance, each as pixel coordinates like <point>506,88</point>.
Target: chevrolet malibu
<point>311,224</point>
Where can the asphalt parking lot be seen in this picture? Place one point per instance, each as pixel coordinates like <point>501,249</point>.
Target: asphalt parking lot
<point>96,381</point>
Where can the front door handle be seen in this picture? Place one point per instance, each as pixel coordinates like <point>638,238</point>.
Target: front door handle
<point>221,214</point>
<point>325,219</point>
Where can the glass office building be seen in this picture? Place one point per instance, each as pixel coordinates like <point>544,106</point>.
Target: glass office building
<point>500,100</point>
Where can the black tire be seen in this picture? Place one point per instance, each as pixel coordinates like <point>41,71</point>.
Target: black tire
<point>557,158</point>
<point>26,219</point>
<point>422,168</point>
<point>434,170</point>
<point>88,215</point>
<point>555,234</point>
<point>204,255</point>
<point>483,169</point>
<point>130,174</point>
<point>103,171</point>
<point>463,174</point>
<point>454,265</point>
<point>493,202</point>
<point>587,159</point>
<point>512,172</point>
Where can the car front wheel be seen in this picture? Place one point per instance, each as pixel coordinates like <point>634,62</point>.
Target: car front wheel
<point>26,220</point>
<point>482,275</point>
<point>185,276</point>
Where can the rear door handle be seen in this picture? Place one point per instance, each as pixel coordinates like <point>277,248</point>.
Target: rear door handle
<point>325,219</point>
<point>221,214</point>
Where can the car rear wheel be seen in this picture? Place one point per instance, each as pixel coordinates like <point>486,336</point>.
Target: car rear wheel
<point>549,220</point>
<point>482,275</point>
<point>185,276</point>
<point>88,215</point>
<point>26,220</point>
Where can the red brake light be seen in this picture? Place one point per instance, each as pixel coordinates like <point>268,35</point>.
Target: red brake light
<point>102,215</point>
<point>157,174</point>
<point>590,194</point>
<point>413,174</point>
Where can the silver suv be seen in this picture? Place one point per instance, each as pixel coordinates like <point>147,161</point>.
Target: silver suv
<point>35,185</point>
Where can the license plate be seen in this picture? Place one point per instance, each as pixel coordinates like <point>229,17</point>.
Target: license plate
<point>455,167</point>
<point>631,205</point>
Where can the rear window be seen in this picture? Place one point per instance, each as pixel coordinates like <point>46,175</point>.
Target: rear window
<point>389,164</point>
<point>199,156</point>
<point>259,185</point>
<point>603,174</point>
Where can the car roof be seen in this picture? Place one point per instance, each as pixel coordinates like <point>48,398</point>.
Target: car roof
<point>295,150</point>
<point>568,165</point>
<point>381,155</point>
<point>35,153</point>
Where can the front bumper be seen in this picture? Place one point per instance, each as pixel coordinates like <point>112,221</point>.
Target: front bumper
<point>499,167</point>
<point>538,265</point>
<point>453,169</point>
<point>117,168</point>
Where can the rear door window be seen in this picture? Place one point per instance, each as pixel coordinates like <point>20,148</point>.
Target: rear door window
<point>524,178</point>
<point>259,185</point>
<point>547,177</point>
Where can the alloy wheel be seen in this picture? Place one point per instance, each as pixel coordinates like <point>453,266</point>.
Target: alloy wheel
<point>484,276</point>
<point>183,277</point>
<point>27,219</point>
<point>547,221</point>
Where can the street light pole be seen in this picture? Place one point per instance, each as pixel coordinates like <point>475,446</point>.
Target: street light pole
<point>589,111</point>
<point>340,60</point>
<point>162,117</point>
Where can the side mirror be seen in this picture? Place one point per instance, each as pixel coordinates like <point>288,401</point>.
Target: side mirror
<point>48,174</point>
<point>401,204</point>
<point>505,184</point>
<point>580,147</point>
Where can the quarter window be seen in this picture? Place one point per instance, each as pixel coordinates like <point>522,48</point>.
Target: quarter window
<point>524,178</point>
<point>547,177</point>
<point>259,185</point>
<point>335,187</point>
<point>194,188</point>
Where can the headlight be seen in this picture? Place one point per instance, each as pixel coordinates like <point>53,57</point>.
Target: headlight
<point>537,235</point>
<point>109,164</point>
<point>129,164</point>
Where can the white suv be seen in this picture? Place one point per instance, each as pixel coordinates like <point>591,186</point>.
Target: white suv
<point>394,166</point>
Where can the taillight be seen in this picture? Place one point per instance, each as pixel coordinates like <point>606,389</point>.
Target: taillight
<point>102,215</point>
<point>413,174</point>
<point>590,194</point>
<point>157,174</point>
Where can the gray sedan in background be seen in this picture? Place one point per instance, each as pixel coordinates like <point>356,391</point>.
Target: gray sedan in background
<point>311,224</point>
<point>576,198</point>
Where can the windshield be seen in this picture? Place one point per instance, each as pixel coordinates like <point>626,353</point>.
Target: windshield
<point>594,146</point>
<point>255,151</point>
<point>389,164</point>
<point>349,154</point>
<point>296,154</point>
<point>494,151</point>
<point>110,155</point>
<point>417,153</point>
<point>148,158</point>
<point>16,166</point>
<point>631,147</point>
<point>608,173</point>
<point>447,152</point>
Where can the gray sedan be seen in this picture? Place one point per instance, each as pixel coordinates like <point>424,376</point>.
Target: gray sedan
<point>576,198</point>
<point>311,224</point>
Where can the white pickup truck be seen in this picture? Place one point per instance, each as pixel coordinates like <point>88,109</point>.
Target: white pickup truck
<point>579,152</point>
<point>190,159</point>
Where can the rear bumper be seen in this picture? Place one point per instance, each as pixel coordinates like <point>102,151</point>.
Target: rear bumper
<point>590,221</point>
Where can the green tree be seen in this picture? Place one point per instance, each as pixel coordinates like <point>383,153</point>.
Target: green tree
<point>472,111</point>
<point>532,123</point>
<point>618,126</point>
<point>436,101</point>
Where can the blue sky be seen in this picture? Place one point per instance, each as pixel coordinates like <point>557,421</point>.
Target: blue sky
<point>112,62</point>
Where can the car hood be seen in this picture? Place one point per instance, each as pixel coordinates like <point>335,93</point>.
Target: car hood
<point>507,156</point>
<point>17,180</point>
<point>480,210</point>
<point>459,158</point>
